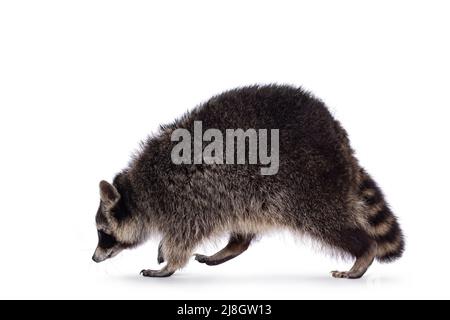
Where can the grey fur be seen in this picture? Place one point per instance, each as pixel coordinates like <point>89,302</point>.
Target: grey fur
<point>320,189</point>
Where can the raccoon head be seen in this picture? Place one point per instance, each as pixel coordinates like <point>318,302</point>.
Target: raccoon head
<point>115,227</point>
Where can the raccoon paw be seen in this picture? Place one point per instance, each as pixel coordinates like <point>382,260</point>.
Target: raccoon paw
<point>156,273</point>
<point>345,274</point>
<point>201,258</point>
<point>212,261</point>
<point>208,260</point>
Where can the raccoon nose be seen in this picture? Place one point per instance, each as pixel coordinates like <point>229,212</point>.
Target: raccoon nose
<point>94,258</point>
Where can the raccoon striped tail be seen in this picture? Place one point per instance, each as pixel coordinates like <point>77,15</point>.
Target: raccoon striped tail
<point>382,225</point>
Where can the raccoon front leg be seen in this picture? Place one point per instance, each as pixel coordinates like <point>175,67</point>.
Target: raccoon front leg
<point>237,244</point>
<point>176,253</point>
<point>160,253</point>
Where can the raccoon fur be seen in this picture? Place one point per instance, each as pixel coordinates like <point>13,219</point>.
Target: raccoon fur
<point>319,190</point>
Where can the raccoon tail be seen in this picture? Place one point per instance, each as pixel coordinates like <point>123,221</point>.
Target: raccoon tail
<point>382,225</point>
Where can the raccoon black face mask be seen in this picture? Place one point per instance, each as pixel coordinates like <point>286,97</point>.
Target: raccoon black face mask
<point>318,188</point>
<point>106,248</point>
<point>112,238</point>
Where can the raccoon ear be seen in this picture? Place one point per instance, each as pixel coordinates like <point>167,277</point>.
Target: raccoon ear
<point>108,194</point>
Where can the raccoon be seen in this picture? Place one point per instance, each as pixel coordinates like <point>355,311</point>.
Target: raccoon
<point>320,190</point>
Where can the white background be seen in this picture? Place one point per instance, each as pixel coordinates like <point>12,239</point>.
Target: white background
<point>82,82</point>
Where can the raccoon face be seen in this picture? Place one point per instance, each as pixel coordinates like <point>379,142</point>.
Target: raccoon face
<point>110,232</point>
<point>107,247</point>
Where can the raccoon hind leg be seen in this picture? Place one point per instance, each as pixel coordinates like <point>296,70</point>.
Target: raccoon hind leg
<point>360,245</point>
<point>237,244</point>
<point>361,265</point>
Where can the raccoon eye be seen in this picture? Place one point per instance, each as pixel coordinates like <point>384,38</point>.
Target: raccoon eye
<point>106,241</point>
